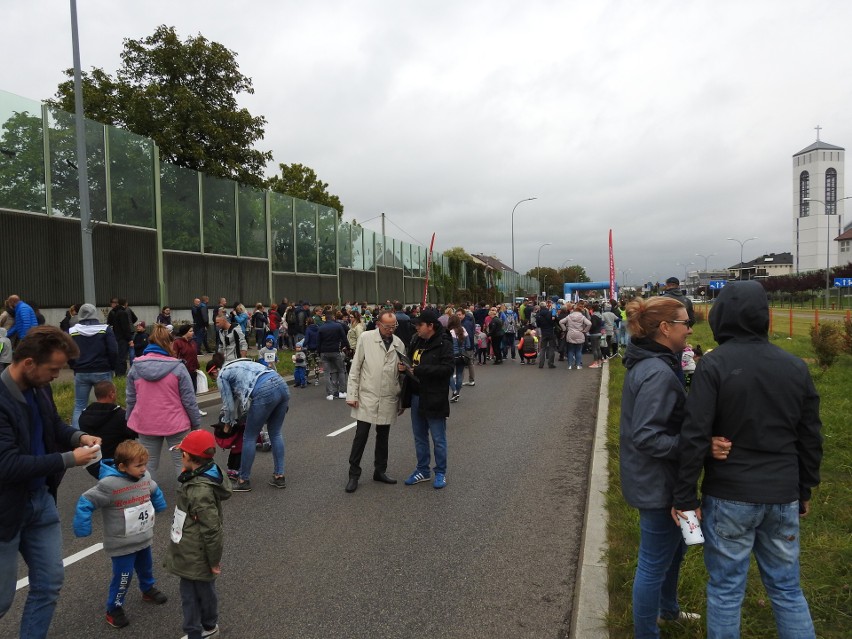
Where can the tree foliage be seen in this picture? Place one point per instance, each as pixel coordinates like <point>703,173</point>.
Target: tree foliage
<point>183,95</point>
<point>300,181</point>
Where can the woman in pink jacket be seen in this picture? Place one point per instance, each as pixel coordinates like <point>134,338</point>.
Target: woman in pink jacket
<point>161,402</point>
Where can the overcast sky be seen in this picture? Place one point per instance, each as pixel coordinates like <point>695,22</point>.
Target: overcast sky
<point>673,123</point>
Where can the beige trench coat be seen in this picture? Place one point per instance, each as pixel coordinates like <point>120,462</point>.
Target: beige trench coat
<point>374,381</point>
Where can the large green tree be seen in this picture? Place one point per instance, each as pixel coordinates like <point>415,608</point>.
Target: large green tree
<point>183,95</point>
<point>300,181</point>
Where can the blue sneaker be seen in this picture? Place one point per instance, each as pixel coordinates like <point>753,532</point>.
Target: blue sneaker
<point>440,480</point>
<point>416,477</point>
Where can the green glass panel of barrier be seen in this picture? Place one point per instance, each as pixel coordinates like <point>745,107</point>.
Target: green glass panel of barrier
<point>281,212</point>
<point>179,208</point>
<point>64,186</point>
<point>306,236</point>
<point>131,177</point>
<point>21,154</point>
<point>252,221</point>
<point>357,244</point>
<point>344,245</point>
<point>369,250</point>
<point>220,216</point>
<point>327,235</point>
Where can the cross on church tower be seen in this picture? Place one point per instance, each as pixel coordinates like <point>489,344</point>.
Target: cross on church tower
<point>818,128</point>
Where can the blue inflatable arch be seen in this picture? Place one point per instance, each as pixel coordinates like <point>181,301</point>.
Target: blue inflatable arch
<point>570,287</point>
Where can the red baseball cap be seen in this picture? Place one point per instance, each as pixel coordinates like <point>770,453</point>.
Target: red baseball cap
<point>197,443</point>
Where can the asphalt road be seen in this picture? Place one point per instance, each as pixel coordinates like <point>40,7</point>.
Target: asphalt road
<point>494,554</point>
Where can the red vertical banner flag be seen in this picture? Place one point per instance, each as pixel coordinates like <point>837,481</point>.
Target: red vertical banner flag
<point>428,268</point>
<point>613,294</point>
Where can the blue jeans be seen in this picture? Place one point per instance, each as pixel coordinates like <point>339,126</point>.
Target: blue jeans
<point>83,384</point>
<point>270,401</point>
<point>661,551</point>
<point>732,530</point>
<point>458,375</point>
<point>575,355</point>
<point>122,574</point>
<point>422,428</point>
<point>39,541</point>
<point>509,343</point>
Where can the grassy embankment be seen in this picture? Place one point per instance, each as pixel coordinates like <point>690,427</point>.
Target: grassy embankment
<point>63,392</point>
<point>826,543</point>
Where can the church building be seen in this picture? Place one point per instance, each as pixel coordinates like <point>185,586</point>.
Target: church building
<point>818,211</point>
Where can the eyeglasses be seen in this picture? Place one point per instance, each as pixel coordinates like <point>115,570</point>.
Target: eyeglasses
<point>689,323</point>
<point>390,327</point>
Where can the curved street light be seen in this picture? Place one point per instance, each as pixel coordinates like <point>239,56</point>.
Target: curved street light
<point>526,199</point>
<point>570,259</point>
<point>706,259</point>
<point>741,243</point>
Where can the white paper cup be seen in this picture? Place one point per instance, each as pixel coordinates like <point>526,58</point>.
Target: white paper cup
<point>690,528</point>
<point>97,458</point>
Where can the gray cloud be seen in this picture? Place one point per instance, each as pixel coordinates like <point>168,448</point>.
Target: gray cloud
<point>671,123</point>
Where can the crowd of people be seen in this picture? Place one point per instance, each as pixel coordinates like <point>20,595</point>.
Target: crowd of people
<point>760,451</point>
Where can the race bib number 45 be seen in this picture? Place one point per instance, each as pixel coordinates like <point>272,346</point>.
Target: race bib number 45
<point>138,519</point>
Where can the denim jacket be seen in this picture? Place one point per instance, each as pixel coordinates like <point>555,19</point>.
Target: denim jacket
<point>236,382</point>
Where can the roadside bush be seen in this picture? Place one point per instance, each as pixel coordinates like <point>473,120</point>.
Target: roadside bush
<point>828,342</point>
<point>847,337</point>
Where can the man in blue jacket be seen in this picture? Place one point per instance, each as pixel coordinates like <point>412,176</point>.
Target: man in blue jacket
<point>36,448</point>
<point>330,339</point>
<point>25,317</point>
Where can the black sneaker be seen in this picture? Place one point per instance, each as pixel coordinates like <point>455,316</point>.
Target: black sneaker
<point>241,486</point>
<point>154,596</point>
<point>116,618</point>
<point>278,482</point>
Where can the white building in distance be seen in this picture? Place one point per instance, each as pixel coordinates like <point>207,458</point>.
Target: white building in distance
<point>818,212</point>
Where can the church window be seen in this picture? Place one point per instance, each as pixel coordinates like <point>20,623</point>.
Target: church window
<point>845,246</point>
<point>804,192</point>
<point>831,192</point>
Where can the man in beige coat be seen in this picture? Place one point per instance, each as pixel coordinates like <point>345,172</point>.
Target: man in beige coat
<point>373,392</point>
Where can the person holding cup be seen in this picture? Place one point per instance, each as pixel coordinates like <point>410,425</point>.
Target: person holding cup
<point>652,412</point>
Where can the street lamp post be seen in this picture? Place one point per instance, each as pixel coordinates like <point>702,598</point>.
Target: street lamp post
<point>526,199</point>
<point>685,272</point>
<point>741,243</point>
<point>624,272</point>
<point>706,259</point>
<point>538,266</point>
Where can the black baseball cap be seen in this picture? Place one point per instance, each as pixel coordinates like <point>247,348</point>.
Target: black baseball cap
<point>427,316</point>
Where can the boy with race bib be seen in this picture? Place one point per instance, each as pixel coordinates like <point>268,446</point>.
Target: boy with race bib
<point>128,498</point>
<point>196,544</point>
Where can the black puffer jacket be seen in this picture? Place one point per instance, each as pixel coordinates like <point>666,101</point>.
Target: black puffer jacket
<point>760,397</point>
<point>433,367</point>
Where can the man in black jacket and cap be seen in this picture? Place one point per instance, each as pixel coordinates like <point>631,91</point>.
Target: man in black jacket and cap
<point>763,400</point>
<point>426,392</point>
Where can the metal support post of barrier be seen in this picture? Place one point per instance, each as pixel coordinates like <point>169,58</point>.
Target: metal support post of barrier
<point>791,321</point>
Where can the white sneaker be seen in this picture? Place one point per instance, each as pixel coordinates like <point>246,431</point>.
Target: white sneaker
<point>330,397</point>
<point>206,633</point>
<point>203,413</point>
<point>342,395</point>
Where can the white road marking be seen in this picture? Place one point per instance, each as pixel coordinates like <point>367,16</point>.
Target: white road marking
<point>77,556</point>
<point>342,430</point>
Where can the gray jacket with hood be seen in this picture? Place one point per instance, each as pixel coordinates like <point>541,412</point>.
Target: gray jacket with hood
<point>652,410</point>
<point>760,397</point>
<point>123,500</point>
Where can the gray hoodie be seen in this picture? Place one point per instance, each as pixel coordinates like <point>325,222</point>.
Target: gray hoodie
<point>128,505</point>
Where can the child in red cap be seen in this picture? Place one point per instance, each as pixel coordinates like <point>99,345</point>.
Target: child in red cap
<point>195,550</point>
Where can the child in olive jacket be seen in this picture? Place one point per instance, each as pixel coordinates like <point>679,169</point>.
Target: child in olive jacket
<point>195,550</point>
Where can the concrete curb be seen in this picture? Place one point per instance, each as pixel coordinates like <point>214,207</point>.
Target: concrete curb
<point>591,600</point>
